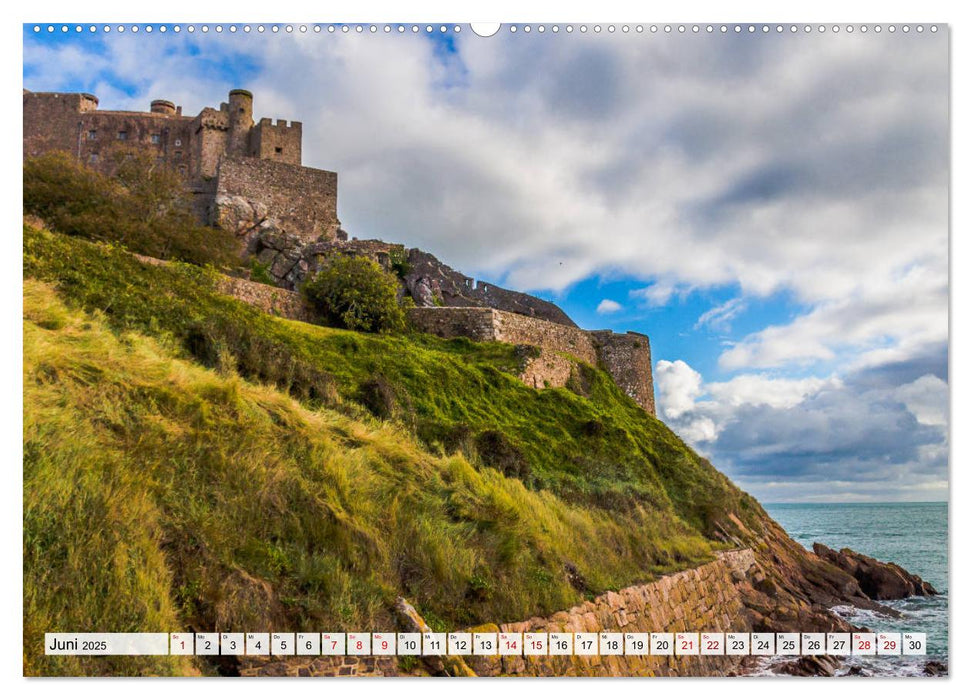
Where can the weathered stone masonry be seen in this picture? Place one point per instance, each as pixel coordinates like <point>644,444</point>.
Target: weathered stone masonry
<point>702,599</point>
<point>626,357</point>
<point>219,152</point>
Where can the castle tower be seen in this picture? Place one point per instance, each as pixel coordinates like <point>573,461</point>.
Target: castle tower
<point>240,122</point>
<point>163,107</point>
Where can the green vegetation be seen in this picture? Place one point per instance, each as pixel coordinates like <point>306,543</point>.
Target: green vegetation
<point>144,207</point>
<point>160,495</point>
<point>446,392</point>
<point>191,462</point>
<point>354,292</point>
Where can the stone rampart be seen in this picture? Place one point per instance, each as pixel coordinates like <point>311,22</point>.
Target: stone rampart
<point>303,201</point>
<point>626,357</point>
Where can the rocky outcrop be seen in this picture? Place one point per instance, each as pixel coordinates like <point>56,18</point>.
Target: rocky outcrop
<point>805,666</point>
<point>430,282</point>
<point>238,215</point>
<point>877,580</point>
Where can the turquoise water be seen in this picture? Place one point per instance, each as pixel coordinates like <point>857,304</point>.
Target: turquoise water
<point>913,535</point>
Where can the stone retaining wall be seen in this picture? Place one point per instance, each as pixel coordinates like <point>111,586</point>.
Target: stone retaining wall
<point>272,300</point>
<point>702,599</point>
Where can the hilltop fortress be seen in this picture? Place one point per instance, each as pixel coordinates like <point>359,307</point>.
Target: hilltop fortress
<point>247,177</point>
<point>221,153</point>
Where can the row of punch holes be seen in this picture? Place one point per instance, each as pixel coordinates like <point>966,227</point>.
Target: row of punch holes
<point>512,28</point>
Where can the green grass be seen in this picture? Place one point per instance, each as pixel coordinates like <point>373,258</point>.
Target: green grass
<point>192,463</point>
<point>162,495</point>
<point>598,450</point>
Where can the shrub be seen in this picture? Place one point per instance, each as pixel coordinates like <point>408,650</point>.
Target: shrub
<point>497,451</point>
<point>144,207</point>
<point>356,293</point>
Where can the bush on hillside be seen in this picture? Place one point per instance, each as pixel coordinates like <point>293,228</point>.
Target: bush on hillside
<point>144,207</point>
<point>356,293</point>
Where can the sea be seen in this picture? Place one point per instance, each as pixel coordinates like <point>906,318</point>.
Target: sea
<point>913,535</point>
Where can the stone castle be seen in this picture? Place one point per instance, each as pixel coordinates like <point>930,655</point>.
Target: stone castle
<point>247,177</point>
<point>222,153</point>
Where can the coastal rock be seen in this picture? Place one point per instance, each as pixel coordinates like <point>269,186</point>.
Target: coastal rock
<point>935,668</point>
<point>879,581</point>
<point>808,666</point>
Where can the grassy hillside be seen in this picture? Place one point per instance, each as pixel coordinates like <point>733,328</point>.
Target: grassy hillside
<point>592,445</point>
<point>192,463</point>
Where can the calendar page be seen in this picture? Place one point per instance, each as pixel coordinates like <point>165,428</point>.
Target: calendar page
<point>530,349</point>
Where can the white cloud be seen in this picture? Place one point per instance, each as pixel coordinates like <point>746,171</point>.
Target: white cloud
<point>896,317</point>
<point>926,398</point>
<point>608,306</point>
<point>678,385</point>
<point>720,317</point>
<point>761,390</point>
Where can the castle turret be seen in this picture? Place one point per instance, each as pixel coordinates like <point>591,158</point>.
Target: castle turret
<point>163,107</point>
<point>88,102</point>
<point>240,121</point>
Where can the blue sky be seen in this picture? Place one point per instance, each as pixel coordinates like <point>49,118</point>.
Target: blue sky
<point>771,210</point>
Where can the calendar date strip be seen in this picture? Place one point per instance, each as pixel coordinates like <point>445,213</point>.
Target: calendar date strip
<point>282,644</point>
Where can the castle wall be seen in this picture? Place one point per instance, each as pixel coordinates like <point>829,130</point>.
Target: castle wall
<point>455,322</point>
<point>72,123</point>
<point>522,330</point>
<point>303,200</point>
<point>210,140</point>
<point>280,142</point>
<point>701,599</point>
<point>269,299</point>
<point>627,358</point>
<point>107,136</point>
<point>52,122</point>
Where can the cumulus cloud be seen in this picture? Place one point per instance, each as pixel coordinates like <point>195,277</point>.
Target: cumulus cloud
<point>791,438</point>
<point>608,306</point>
<point>926,398</point>
<point>678,387</point>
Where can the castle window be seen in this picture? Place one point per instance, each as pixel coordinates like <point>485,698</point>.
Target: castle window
<point>92,135</point>
<point>156,138</point>
<point>181,170</point>
<point>178,154</point>
<point>122,135</point>
<point>279,149</point>
<point>93,158</point>
<point>178,142</point>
